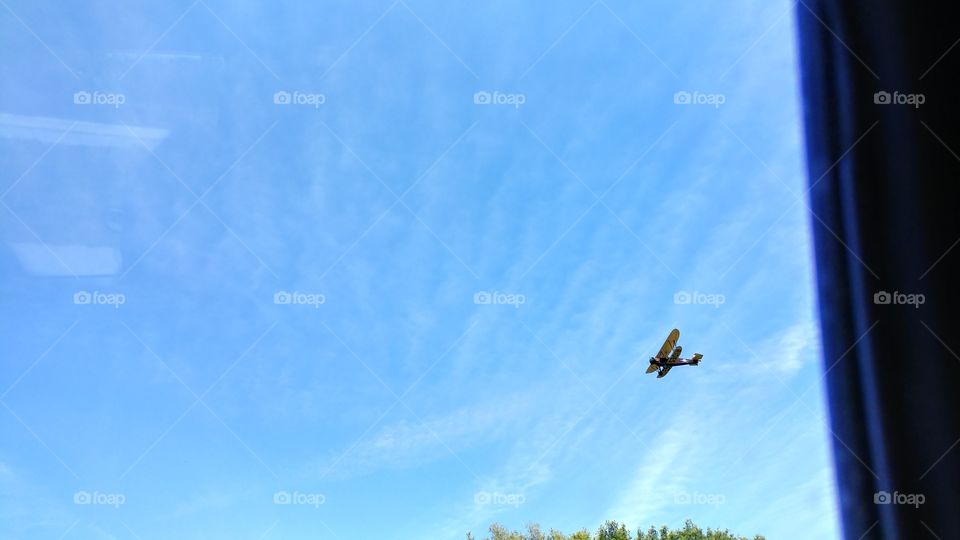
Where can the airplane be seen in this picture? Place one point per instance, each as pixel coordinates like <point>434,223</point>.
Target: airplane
<point>665,360</point>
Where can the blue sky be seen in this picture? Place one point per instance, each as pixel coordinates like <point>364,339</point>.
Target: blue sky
<point>247,251</point>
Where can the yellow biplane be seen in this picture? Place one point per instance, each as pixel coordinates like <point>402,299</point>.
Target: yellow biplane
<point>669,356</point>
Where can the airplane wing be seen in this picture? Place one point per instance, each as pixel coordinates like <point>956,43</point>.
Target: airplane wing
<point>669,344</point>
<point>676,353</point>
<point>664,371</point>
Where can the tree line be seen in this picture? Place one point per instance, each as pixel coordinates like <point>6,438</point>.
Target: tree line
<point>612,530</point>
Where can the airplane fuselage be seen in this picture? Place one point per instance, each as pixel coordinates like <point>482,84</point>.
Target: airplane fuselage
<point>674,362</point>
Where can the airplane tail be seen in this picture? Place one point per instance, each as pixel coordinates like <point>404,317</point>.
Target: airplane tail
<point>696,358</point>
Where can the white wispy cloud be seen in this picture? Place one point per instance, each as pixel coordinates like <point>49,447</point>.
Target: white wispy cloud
<point>794,347</point>
<point>408,442</point>
<point>661,474</point>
